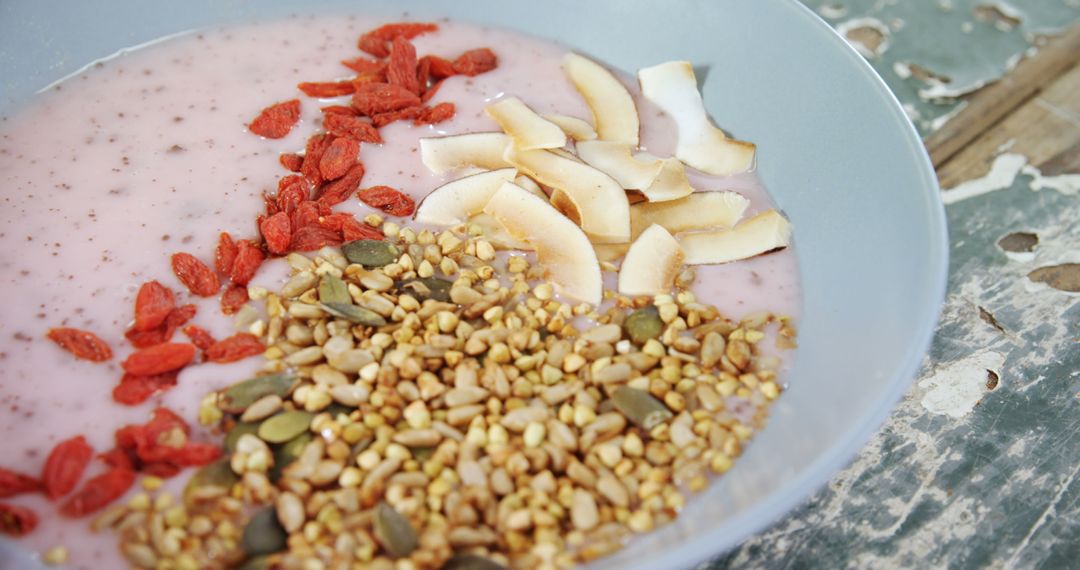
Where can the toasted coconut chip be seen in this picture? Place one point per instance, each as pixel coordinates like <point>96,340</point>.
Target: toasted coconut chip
<point>670,184</point>
<point>673,87</point>
<point>600,201</point>
<point>453,202</point>
<point>698,211</point>
<point>562,249</point>
<point>651,263</point>
<point>484,150</point>
<point>496,234</point>
<point>610,252</point>
<point>577,129</point>
<point>564,204</point>
<point>530,185</point>
<point>615,160</point>
<point>613,109</point>
<point>765,232</point>
<point>529,130</point>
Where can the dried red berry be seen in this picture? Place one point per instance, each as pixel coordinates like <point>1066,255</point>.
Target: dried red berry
<point>14,483</point>
<point>195,275</point>
<point>438,67</point>
<point>199,336</point>
<point>133,389</point>
<point>311,238</point>
<point>248,259</point>
<point>407,30</point>
<point>118,458</point>
<point>153,303</point>
<point>291,161</point>
<point>233,298</point>
<point>81,344</point>
<point>374,98</point>
<point>432,91</point>
<point>327,89</point>
<point>365,66</point>
<point>374,45</point>
<point>159,359</point>
<point>408,113</point>
<point>65,465</point>
<point>277,231</point>
<point>340,109</point>
<point>390,200</point>
<point>275,121</point>
<point>99,492</point>
<point>342,125</point>
<point>352,230</point>
<point>339,190</point>
<point>475,62</point>
<point>225,254</point>
<point>402,67</point>
<point>313,151</point>
<point>436,114</point>
<point>236,347</point>
<point>17,521</point>
<point>339,158</point>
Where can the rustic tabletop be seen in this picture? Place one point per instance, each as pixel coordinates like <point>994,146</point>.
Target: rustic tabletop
<point>977,466</point>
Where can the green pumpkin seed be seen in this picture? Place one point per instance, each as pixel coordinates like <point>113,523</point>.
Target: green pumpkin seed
<point>354,314</point>
<point>371,252</point>
<point>422,453</point>
<point>217,474</point>
<point>286,453</point>
<point>427,288</point>
<point>256,563</point>
<point>643,324</point>
<point>284,426</point>
<point>236,398</point>
<point>334,290</point>
<point>394,531</point>
<point>640,407</point>
<point>263,534</point>
<point>471,562</point>
<point>238,430</point>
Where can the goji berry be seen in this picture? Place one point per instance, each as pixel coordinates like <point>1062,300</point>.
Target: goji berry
<point>313,151</point>
<point>432,90</point>
<point>160,469</point>
<point>134,389</point>
<point>338,158</point>
<point>382,119</point>
<point>160,438</point>
<point>195,275</point>
<point>233,298</point>
<point>224,254</point>
<point>277,231</point>
<point>387,199</point>
<point>195,454</point>
<point>365,66</point>
<point>339,190</point>
<point>17,521</point>
<point>65,465</point>
<point>248,259</point>
<point>342,125</point>
<point>475,62</point>
<point>118,458</point>
<point>439,67</point>
<point>153,303</point>
<point>291,161</point>
<point>401,70</point>
<point>353,230</point>
<point>327,89</point>
<point>98,492</point>
<point>407,30</point>
<point>340,109</point>
<point>126,437</point>
<point>14,483</point>
<point>436,114</point>
<point>144,339</point>
<point>159,359</point>
<point>374,98</point>
<point>289,198</point>
<point>311,238</point>
<point>236,347</point>
<point>306,214</point>
<point>374,45</point>
<point>365,78</point>
<point>81,344</point>
<point>275,121</point>
<point>199,336</point>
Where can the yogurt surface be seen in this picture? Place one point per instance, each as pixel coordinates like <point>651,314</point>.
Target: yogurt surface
<point>107,174</point>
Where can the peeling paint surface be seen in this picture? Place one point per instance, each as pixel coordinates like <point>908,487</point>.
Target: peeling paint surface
<point>978,465</point>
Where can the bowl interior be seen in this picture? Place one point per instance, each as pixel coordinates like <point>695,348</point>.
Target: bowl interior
<point>835,151</point>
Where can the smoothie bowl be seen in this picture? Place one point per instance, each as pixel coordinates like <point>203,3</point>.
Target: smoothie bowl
<point>423,290</point>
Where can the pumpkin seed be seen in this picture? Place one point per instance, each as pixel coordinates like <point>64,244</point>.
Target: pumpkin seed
<point>427,288</point>
<point>471,562</point>
<point>255,563</point>
<point>217,474</point>
<point>644,324</point>
<point>284,426</point>
<point>286,453</point>
<point>238,430</point>
<point>236,398</point>
<point>371,252</point>
<point>354,314</point>
<point>263,533</point>
<point>640,407</point>
<point>422,453</point>
<point>334,290</point>
<point>394,531</point>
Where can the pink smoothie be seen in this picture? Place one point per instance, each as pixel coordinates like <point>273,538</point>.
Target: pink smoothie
<point>146,154</point>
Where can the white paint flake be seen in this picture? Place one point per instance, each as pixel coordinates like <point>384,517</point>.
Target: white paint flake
<point>955,388</point>
<point>1068,184</point>
<point>867,51</point>
<point>1002,174</point>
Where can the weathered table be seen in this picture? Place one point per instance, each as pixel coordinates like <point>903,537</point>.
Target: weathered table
<point>978,465</point>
